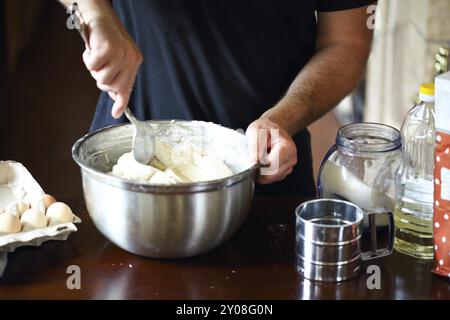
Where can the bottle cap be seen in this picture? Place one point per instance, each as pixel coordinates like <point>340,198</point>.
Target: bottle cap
<point>427,89</point>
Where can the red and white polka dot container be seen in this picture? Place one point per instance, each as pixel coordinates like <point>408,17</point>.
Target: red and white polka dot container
<point>442,177</point>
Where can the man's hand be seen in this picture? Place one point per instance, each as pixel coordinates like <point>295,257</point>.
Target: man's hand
<point>113,59</point>
<point>271,145</point>
<point>111,55</point>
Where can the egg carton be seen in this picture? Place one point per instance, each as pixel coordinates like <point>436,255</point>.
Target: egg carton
<point>9,242</point>
<point>17,184</point>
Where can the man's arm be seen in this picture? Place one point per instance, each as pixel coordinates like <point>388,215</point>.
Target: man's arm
<point>343,47</point>
<point>111,55</point>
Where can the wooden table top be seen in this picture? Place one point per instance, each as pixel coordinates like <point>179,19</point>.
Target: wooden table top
<point>257,263</point>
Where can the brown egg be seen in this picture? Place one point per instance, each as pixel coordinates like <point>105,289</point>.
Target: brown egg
<point>59,212</point>
<point>48,200</point>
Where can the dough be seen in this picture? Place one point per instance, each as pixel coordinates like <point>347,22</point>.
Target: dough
<point>160,177</point>
<point>171,166</point>
<point>127,167</point>
<point>202,169</point>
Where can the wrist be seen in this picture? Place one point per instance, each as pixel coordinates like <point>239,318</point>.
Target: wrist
<point>280,118</point>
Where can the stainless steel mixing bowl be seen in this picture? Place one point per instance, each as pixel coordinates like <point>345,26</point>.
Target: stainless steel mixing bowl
<point>166,221</point>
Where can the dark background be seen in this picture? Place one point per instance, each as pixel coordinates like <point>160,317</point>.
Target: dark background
<point>48,99</point>
<point>2,53</point>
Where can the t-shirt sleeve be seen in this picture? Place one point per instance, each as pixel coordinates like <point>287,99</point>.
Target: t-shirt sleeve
<point>337,5</point>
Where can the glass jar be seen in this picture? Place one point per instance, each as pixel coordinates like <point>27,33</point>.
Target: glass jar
<point>361,166</point>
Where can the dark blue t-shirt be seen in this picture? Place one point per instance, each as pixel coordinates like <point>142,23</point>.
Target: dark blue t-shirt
<point>225,61</point>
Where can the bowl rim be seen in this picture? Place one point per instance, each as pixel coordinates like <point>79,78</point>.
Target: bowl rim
<point>186,187</point>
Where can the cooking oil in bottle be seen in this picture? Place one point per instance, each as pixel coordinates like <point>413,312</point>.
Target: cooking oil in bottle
<point>413,218</point>
<point>413,214</point>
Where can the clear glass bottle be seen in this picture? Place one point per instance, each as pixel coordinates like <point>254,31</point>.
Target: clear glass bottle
<point>414,180</point>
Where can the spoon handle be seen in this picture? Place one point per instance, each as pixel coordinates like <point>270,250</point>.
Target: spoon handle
<point>80,24</point>
<point>131,117</point>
